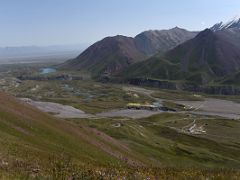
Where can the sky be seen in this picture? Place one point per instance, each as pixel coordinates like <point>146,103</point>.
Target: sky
<point>54,22</point>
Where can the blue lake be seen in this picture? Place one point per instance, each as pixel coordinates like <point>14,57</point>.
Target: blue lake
<point>47,70</point>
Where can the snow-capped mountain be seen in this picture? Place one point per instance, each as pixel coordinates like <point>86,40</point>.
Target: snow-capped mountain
<point>233,23</point>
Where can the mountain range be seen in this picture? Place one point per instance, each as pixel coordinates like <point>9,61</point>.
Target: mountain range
<point>202,57</point>
<point>209,56</point>
<point>113,54</point>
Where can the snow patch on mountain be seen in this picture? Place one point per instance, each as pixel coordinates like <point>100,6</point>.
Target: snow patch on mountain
<point>233,23</point>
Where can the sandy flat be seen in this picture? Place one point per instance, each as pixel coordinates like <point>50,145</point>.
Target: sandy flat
<point>61,111</point>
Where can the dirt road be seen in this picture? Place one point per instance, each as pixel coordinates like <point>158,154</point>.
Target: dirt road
<point>129,113</point>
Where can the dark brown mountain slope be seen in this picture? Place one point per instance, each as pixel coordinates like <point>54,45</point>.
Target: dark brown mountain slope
<point>207,57</point>
<point>216,53</point>
<point>109,55</point>
<point>113,54</point>
<point>151,42</point>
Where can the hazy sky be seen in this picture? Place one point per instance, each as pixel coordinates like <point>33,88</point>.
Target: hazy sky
<point>51,22</point>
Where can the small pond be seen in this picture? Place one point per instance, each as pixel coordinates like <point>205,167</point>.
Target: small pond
<point>47,70</point>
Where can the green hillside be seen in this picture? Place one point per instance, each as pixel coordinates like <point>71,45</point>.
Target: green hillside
<point>155,67</point>
<point>29,138</point>
<point>36,145</point>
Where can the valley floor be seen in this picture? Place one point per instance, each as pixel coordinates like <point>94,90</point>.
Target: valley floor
<point>83,128</point>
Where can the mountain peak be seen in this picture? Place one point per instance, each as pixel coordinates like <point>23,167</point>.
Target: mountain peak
<point>232,23</point>
<point>236,18</point>
<point>177,28</point>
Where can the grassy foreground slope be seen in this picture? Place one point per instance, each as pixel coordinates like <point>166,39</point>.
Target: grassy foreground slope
<point>163,140</point>
<point>29,138</point>
<point>35,145</point>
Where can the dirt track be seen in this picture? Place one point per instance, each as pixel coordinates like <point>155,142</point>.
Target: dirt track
<point>134,114</point>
